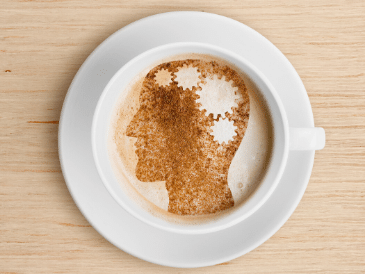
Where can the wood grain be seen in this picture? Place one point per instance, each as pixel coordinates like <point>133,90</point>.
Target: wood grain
<point>44,42</point>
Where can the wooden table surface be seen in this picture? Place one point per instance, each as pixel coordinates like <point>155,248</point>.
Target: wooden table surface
<point>42,45</point>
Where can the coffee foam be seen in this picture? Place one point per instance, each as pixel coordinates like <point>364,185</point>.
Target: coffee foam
<point>245,173</point>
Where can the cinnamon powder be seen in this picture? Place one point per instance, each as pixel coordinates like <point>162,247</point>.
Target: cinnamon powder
<point>174,143</point>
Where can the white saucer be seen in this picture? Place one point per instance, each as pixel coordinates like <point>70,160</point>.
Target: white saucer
<point>84,183</point>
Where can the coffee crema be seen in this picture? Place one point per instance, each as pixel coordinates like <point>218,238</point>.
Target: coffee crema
<point>192,134</point>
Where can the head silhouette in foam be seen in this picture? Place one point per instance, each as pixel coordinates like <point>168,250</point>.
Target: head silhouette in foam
<point>192,118</point>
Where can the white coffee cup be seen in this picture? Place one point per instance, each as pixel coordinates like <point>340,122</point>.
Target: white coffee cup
<point>285,138</point>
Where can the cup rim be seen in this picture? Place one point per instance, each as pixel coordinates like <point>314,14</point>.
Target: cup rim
<point>183,229</point>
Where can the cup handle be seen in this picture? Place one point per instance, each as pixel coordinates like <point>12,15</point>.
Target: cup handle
<point>306,138</point>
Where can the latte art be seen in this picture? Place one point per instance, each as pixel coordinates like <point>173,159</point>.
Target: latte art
<point>193,136</point>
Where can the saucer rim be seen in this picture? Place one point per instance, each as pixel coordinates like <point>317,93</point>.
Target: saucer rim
<point>310,155</point>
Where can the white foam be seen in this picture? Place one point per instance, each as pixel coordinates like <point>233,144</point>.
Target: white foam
<point>250,160</point>
<point>163,77</point>
<point>187,77</point>
<point>217,96</point>
<point>223,130</point>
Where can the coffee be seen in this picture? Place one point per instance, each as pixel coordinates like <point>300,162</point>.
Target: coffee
<point>192,135</point>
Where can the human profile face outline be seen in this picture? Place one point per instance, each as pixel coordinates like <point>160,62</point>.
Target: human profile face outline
<point>170,142</point>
